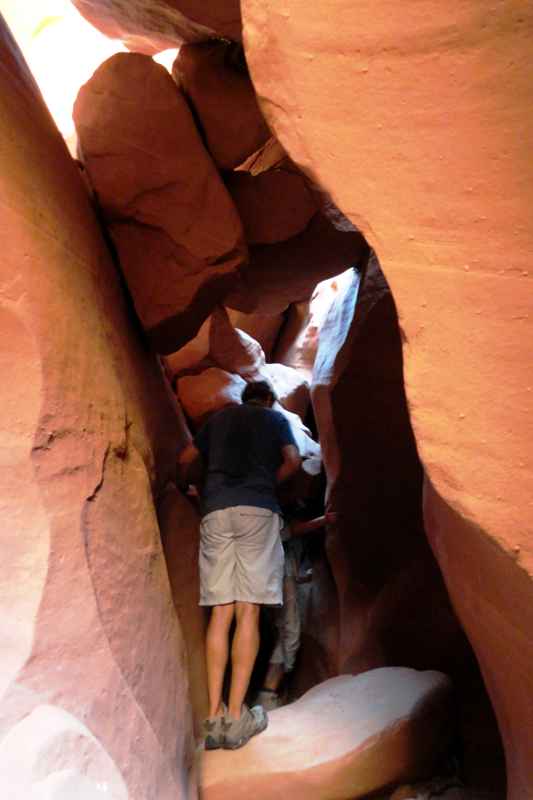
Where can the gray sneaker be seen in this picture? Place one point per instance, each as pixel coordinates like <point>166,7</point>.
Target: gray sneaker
<point>214,732</point>
<point>239,731</point>
<point>269,699</point>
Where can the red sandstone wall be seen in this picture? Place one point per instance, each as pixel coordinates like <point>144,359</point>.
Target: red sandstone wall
<point>93,690</point>
<point>417,118</point>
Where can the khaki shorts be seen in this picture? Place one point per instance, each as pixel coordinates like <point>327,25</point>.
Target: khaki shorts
<point>241,557</point>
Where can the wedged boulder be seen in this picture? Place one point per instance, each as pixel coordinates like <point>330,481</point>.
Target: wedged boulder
<point>233,350</point>
<point>179,523</point>
<point>273,205</point>
<point>298,344</point>
<point>344,739</point>
<point>277,275</point>
<point>178,235</point>
<point>264,328</point>
<point>146,27</point>
<point>215,77</point>
<point>306,444</point>
<point>194,357</point>
<point>201,395</point>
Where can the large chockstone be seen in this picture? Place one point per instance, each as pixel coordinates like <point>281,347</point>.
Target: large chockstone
<point>178,235</point>
<point>277,275</point>
<point>215,78</point>
<point>148,27</point>
<point>273,205</point>
<point>344,739</point>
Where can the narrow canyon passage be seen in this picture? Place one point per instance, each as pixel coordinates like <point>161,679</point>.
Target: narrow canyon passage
<point>193,244</point>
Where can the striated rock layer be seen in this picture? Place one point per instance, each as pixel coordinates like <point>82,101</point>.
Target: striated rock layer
<point>178,235</point>
<point>417,119</point>
<point>93,689</point>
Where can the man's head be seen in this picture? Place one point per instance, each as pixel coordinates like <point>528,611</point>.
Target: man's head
<point>259,392</point>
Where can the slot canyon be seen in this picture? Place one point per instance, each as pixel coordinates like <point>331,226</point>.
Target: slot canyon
<point>335,197</point>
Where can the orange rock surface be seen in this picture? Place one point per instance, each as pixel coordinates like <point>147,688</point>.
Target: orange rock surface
<point>178,235</point>
<point>417,119</point>
<point>93,686</point>
<point>273,205</point>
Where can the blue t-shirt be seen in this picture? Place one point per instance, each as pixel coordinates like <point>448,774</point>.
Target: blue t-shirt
<point>241,450</point>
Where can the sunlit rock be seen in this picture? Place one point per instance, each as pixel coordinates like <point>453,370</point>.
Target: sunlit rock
<point>346,738</point>
<point>146,27</point>
<point>273,205</point>
<point>215,78</point>
<point>177,233</point>
<point>298,344</point>
<point>290,387</point>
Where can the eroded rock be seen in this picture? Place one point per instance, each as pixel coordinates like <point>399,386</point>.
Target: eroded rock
<point>429,196</point>
<point>91,647</point>
<point>215,78</point>
<point>178,235</point>
<point>346,738</point>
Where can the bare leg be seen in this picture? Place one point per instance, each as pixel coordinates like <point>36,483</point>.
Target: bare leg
<point>216,652</point>
<point>273,677</point>
<point>243,654</point>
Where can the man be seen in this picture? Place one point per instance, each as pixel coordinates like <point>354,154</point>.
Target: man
<point>242,453</point>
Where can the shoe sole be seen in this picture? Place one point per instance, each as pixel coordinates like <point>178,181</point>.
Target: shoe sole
<point>213,744</point>
<point>244,739</point>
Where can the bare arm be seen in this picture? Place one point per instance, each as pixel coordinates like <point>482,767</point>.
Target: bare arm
<point>190,465</point>
<point>290,464</point>
<point>311,525</point>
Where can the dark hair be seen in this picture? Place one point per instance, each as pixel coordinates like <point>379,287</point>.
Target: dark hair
<point>258,390</point>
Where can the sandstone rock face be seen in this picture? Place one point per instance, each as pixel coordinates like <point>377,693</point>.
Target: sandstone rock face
<point>388,604</point>
<point>287,272</point>
<point>92,682</point>
<point>442,190</point>
<point>274,205</point>
<point>177,233</point>
<point>344,739</point>
<point>149,27</point>
<point>179,522</point>
<point>215,78</point>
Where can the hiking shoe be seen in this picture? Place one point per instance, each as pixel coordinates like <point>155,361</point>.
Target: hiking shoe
<point>269,699</point>
<point>214,732</point>
<point>239,731</point>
